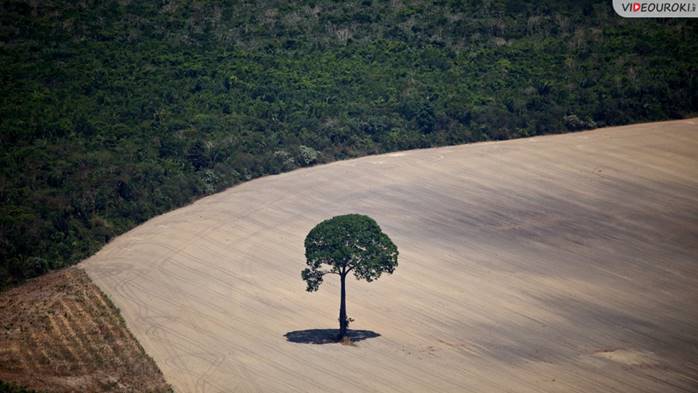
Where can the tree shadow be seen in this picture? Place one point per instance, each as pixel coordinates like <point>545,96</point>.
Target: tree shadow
<point>327,336</point>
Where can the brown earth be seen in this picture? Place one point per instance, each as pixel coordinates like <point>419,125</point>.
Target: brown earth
<point>60,333</point>
<point>564,263</point>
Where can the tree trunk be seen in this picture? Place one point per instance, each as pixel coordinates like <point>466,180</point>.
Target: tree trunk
<point>343,322</point>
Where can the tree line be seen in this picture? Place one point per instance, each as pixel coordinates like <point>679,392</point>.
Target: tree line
<point>113,112</point>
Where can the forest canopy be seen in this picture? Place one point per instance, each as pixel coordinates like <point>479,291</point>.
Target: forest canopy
<point>115,111</point>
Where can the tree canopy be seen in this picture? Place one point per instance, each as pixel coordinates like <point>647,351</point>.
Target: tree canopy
<point>351,243</point>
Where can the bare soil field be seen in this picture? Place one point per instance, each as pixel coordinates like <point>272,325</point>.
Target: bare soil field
<point>565,263</point>
<point>61,334</point>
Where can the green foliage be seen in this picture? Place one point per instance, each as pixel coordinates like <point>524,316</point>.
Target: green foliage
<point>113,112</point>
<point>350,243</point>
<point>6,387</point>
<point>308,155</point>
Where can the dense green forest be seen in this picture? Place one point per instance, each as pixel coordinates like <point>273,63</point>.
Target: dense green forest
<point>114,111</point>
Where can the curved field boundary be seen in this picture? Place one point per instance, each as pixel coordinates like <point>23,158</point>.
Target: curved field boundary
<point>547,264</point>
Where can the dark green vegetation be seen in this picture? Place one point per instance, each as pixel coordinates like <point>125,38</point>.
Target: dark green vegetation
<point>344,244</point>
<point>114,111</point>
<point>12,388</point>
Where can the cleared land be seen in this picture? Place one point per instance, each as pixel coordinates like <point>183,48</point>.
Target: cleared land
<point>557,263</point>
<point>61,334</point>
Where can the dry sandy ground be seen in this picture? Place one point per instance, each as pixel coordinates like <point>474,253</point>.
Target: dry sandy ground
<point>550,264</point>
<point>59,333</point>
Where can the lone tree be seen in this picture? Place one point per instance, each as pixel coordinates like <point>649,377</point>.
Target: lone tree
<point>350,243</point>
